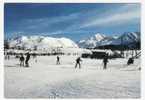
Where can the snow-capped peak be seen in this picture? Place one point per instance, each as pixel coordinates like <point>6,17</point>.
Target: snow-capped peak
<point>29,42</point>
<point>92,41</point>
<point>100,39</point>
<point>99,36</point>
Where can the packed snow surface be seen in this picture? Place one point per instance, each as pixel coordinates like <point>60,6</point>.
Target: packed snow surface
<point>45,79</point>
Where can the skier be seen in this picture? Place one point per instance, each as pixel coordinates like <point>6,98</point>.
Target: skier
<point>130,61</point>
<point>105,61</point>
<point>58,60</point>
<point>8,54</point>
<point>22,60</point>
<point>27,59</point>
<point>78,62</point>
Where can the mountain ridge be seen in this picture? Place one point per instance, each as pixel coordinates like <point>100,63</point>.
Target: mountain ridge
<point>124,39</point>
<point>30,42</point>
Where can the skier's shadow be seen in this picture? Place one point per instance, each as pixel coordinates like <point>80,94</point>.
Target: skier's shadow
<point>94,68</point>
<point>67,67</point>
<point>10,66</point>
<point>16,65</point>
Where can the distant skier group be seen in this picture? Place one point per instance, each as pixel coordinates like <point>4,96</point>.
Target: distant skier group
<point>79,60</point>
<point>23,60</point>
<point>105,61</point>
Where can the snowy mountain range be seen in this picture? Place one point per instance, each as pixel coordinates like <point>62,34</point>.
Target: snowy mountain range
<point>100,39</point>
<point>92,41</point>
<point>41,42</point>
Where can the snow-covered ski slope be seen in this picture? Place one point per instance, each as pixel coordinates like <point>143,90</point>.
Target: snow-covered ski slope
<point>45,79</point>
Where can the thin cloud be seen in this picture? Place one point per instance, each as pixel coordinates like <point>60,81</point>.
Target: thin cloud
<point>129,12</point>
<point>45,22</point>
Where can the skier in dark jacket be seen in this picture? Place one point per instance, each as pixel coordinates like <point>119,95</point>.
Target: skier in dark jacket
<point>130,61</point>
<point>27,59</point>
<point>78,60</point>
<point>105,61</point>
<point>22,60</point>
<point>58,60</point>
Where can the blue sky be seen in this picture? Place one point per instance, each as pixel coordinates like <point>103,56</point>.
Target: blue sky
<point>75,21</point>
